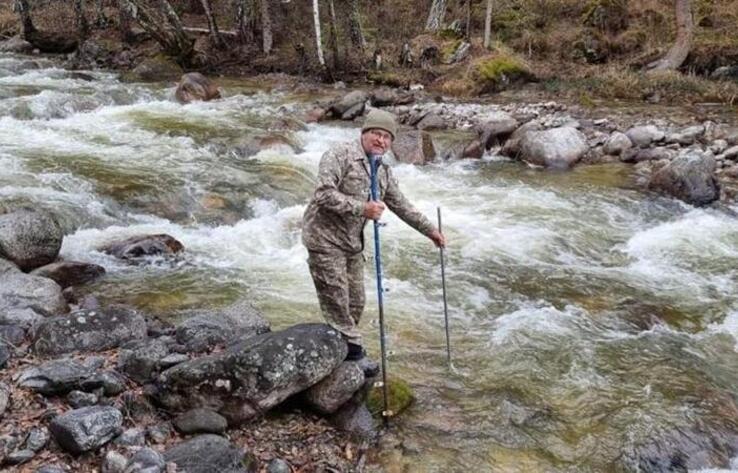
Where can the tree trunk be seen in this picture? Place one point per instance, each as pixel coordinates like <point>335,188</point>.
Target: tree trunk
<point>245,20</point>
<point>334,35</point>
<point>212,25</point>
<point>435,17</point>
<point>488,25</point>
<point>266,27</point>
<point>318,42</point>
<point>355,31</point>
<point>467,27</point>
<point>83,29</point>
<point>124,23</point>
<point>24,12</point>
<point>163,24</point>
<point>683,44</point>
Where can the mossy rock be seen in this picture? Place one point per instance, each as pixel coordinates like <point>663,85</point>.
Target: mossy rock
<point>500,71</point>
<point>154,69</point>
<point>400,398</point>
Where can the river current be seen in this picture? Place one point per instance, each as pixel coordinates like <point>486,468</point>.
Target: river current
<point>592,325</point>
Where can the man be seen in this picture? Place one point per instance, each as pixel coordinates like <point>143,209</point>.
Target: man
<point>333,225</point>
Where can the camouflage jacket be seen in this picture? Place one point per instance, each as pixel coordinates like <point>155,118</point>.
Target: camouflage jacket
<point>334,217</point>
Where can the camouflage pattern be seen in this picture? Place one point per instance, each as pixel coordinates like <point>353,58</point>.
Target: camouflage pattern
<point>333,231</point>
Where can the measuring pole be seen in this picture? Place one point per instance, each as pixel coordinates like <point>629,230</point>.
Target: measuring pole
<point>443,282</point>
<point>375,162</point>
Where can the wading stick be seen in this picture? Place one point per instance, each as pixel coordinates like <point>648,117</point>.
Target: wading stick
<point>445,304</point>
<point>386,413</point>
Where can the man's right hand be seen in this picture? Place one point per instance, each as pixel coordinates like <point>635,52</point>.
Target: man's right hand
<point>373,209</point>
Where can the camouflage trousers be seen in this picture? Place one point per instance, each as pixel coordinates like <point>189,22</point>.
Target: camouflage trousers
<point>339,281</point>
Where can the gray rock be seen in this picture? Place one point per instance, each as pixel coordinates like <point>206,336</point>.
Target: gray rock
<point>356,419</point>
<point>251,376</point>
<point>353,112</point>
<point>687,136</point>
<point>639,155</point>
<point>146,460</point>
<point>6,353</point>
<point>12,334</point>
<point>4,398</point>
<point>20,291</point>
<point>29,239</point>
<point>70,273</point>
<point>143,245</point>
<point>384,97</point>
<point>78,399</point>
<point>154,69</point>
<point>725,73</point>
<point>414,147</point>
<point>201,421</point>
<point>511,148</point>
<point>19,457</point>
<point>88,330</point>
<point>278,465</point>
<point>643,136</point>
<point>617,143</point>
<point>37,439</point>
<point>352,99</point>
<point>432,121</point>
<point>689,177</point>
<point>58,376</point>
<point>111,383</point>
<point>209,453</point>
<point>495,129</point>
<point>86,429</point>
<point>336,389</point>
<point>159,433</point>
<point>7,267</point>
<point>731,153</point>
<point>52,469</point>
<point>140,360</point>
<point>114,462</point>
<point>16,45</point>
<point>25,318</point>
<point>718,146</point>
<point>204,330</point>
<point>173,359</point>
<point>131,438</point>
<point>557,148</point>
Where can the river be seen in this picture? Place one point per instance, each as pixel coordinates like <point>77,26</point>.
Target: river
<point>593,326</point>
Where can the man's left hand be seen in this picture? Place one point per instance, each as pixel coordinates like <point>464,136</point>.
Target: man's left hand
<point>438,239</point>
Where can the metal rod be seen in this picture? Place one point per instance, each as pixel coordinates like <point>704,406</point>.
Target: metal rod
<point>443,282</point>
<point>375,163</point>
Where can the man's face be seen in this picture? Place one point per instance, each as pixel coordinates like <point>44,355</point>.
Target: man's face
<point>376,141</point>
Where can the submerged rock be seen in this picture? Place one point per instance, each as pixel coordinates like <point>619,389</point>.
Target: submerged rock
<point>256,374</point>
<point>689,177</point>
<point>70,273</point>
<point>88,330</point>
<point>209,453</point>
<point>195,86</point>
<point>29,239</point>
<point>86,429</point>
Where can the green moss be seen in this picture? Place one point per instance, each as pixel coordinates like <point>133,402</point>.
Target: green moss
<point>500,67</point>
<point>400,397</point>
<point>449,49</point>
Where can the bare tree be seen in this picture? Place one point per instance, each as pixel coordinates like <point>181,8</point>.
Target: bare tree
<point>318,41</point>
<point>245,20</point>
<point>160,21</point>
<point>83,28</point>
<point>355,31</point>
<point>488,25</point>
<point>467,22</point>
<point>24,12</point>
<point>212,25</point>
<point>334,34</point>
<point>435,17</point>
<point>683,43</point>
<point>124,23</point>
<point>266,27</point>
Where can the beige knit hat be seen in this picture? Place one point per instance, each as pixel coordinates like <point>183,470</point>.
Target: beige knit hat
<point>380,119</point>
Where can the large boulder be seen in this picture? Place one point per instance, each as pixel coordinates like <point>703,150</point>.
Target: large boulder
<point>85,429</point>
<point>351,102</point>
<point>209,453</point>
<point>30,239</point>
<point>336,389</point>
<point>21,291</point>
<point>384,97</point>
<point>511,148</point>
<point>644,136</point>
<point>617,143</point>
<point>194,86</point>
<point>70,273</point>
<point>60,376</point>
<point>414,147</point>
<point>557,148</point>
<point>496,128</point>
<point>689,177</point>
<point>255,374</point>
<point>140,246</point>
<point>140,360</point>
<point>201,331</point>
<point>88,330</point>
